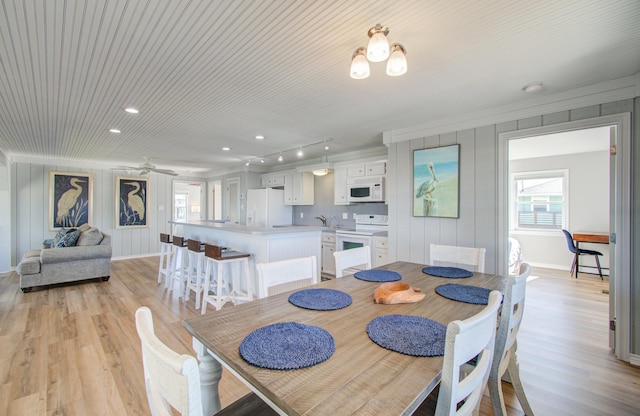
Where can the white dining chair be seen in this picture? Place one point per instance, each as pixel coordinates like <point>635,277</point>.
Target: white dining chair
<point>352,260</point>
<point>505,359</point>
<point>172,379</point>
<point>471,338</point>
<point>281,276</point>
<point>465,257</point>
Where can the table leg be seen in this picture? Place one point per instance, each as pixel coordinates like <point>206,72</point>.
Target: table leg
<point>210,374</point>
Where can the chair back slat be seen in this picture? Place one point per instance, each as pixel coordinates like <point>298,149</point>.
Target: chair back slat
<point>352,260</point>
<point>281,276</point>
<point>465,257</point>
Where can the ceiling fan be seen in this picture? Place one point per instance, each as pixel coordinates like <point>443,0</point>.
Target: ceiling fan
<point>147,167</point>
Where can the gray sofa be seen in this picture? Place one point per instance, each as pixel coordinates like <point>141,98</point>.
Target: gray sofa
<point>59,265</point>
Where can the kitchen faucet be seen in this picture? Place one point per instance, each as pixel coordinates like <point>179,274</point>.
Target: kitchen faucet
<point>323,219</point>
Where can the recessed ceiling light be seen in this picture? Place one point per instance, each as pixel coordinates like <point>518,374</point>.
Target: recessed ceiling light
<point>131,110</point>
<point>226,149</point>
<point>280,158</point>
<point>326,148</point>
<point>300,153</point>
<point>535,87</point>
<point>261,160</point>
<point>259,137</point>
<point>115,131</point>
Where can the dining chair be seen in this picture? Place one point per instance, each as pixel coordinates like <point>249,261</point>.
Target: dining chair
<point>173,380</point>
<point>505,359</point>
<point>352,260</point>
<point>581,252</point>
<point>467,257</point>
<point>281,276</point>
<point>471,338</point>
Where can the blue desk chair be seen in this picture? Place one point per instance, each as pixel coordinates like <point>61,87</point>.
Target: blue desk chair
<point>581,252</point>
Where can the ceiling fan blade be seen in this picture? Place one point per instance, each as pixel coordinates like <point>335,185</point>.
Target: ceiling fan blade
<point>122,167</point>
<point>165,172</point>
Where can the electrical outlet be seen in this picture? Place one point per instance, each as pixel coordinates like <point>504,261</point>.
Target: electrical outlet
<point>354,215</point>
<point>302,215</point>
<point>345,215</point>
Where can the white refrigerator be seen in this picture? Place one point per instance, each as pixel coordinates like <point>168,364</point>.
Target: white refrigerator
<point>266,208</point>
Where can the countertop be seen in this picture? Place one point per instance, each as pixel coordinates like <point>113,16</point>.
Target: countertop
<point>239,228</point>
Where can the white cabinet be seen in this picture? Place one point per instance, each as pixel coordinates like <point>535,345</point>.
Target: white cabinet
<point>299,188</point>
<point>356,170</point>
<point>340,186</point>
<point>381,251</point>
<point>271,180</point>
<point>328,247</point>
<point>378,168</point>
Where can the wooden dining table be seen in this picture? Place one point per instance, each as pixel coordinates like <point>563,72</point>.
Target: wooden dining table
<point>360,378</point>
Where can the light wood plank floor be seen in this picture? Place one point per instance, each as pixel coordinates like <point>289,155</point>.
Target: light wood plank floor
<point>73,349</point>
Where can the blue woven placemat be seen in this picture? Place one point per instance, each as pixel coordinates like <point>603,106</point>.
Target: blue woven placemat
<point>407,334</point>
<point>464,293</point>
<point>378,275</point>
<point>450,272</point>
<point>287,346</point>
<point>321,299</point>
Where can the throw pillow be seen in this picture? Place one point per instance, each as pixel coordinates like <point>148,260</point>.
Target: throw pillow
<point>91,237</point>
<point>58,236</point>
<point>84,227</point>
<point>69,239</point>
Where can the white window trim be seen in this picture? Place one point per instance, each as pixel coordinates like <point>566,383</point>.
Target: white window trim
<point>513,177</point>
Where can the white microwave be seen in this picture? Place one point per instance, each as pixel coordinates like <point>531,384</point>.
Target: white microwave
<point>367,189</point>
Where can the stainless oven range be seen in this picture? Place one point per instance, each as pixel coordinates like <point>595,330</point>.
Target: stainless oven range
<point>367,226</point>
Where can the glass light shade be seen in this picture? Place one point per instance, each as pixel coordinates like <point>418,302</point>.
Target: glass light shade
<point>397,64</point>
<point>359,65</point>
<point>378,48</point>
<point>320,172</point>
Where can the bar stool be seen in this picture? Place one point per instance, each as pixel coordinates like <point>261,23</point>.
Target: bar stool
<point>217,259</point>
<point>195,275</point>
<point>165,257</point>
<point>179,267</point>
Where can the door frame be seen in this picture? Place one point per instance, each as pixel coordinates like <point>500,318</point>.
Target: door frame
<point>620,284</point>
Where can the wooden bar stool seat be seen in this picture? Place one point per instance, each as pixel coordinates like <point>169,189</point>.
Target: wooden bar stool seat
<point>166,244</point>
<point>226,287</point>
<point>195,275</point>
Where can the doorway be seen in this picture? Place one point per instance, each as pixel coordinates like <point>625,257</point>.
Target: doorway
<point>214,200</point>
<point>186,203</point>
<point>616,128</point>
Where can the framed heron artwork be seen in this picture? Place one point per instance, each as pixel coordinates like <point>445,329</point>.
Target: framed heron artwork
<point>132,202</point>
<point>436,182</point>
<point>70,199</point>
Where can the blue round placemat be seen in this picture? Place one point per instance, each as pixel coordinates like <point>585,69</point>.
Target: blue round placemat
<point>407,334</point>
<point>464,293</point>
<point>378,275</point>
<point>320,299</point>
<point>287,346</point>
<point>450,272</point>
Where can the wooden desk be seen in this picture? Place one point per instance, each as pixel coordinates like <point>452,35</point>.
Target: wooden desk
<point>596,237</point>
<point>361,378</point>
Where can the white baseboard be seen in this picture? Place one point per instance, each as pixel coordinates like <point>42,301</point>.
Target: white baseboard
<point>137,256</point>
<point>634,359</point>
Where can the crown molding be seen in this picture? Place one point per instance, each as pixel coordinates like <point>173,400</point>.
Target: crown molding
<point>603,92</point>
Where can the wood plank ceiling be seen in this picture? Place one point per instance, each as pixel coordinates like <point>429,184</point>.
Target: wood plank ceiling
<point>212,73</point>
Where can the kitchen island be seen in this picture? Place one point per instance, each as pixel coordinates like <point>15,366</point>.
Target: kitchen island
<point>264,244</point>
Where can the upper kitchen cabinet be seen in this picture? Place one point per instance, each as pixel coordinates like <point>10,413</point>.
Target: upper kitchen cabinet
<point>343,171</point>
<point>271,180</point>
<point>377,168</point>
<point>340,185</point>
<point>298,188</point>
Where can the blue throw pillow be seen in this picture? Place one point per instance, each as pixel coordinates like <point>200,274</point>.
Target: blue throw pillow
<point>69,239</point>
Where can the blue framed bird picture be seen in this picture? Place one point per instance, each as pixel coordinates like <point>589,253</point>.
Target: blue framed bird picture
<point>436,182</point>
<point>132,202</point>
<point>70,199</point>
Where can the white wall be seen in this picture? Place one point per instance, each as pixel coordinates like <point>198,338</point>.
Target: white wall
<point>477,226</point>
<point>29,187</point>
<point>5,224</point>
<point>588,208</point>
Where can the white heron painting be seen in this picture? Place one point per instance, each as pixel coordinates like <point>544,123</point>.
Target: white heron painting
<point>436,184</point>
<point>70,199</point>
<point>132,195</point>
